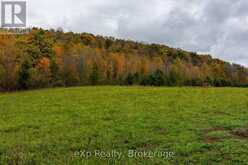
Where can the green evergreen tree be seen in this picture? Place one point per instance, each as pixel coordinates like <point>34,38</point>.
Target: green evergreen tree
<point>24,75</point>
<point>129,79</point>
<point>56,75</point>
<point>94,76</point>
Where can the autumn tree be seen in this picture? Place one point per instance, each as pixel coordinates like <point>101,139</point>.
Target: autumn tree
<point>49,58</point>
<point>8,63</point>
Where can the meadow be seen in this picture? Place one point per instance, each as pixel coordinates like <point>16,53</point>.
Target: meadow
<point>124,125</point>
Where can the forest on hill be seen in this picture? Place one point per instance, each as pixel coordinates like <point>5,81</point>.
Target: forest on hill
<point>53,58</point>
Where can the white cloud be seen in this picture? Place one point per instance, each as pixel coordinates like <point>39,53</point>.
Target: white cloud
<point>214,26</point>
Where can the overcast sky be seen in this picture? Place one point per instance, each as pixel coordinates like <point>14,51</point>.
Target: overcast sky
<point>218,27</point>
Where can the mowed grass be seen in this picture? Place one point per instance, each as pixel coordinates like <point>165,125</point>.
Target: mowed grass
<point>196,125</point>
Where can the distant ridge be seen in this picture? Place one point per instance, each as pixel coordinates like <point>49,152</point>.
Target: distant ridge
<point>50,58</point>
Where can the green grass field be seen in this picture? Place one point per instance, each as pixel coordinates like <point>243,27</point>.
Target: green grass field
<point>173,125</point>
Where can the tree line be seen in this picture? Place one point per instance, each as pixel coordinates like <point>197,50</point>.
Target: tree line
<point>53,58</point>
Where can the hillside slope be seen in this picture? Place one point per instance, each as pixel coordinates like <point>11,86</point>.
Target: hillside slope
<point>45,58</point>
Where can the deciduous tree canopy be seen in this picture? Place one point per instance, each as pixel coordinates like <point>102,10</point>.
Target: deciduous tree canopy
<point>49,58</point>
